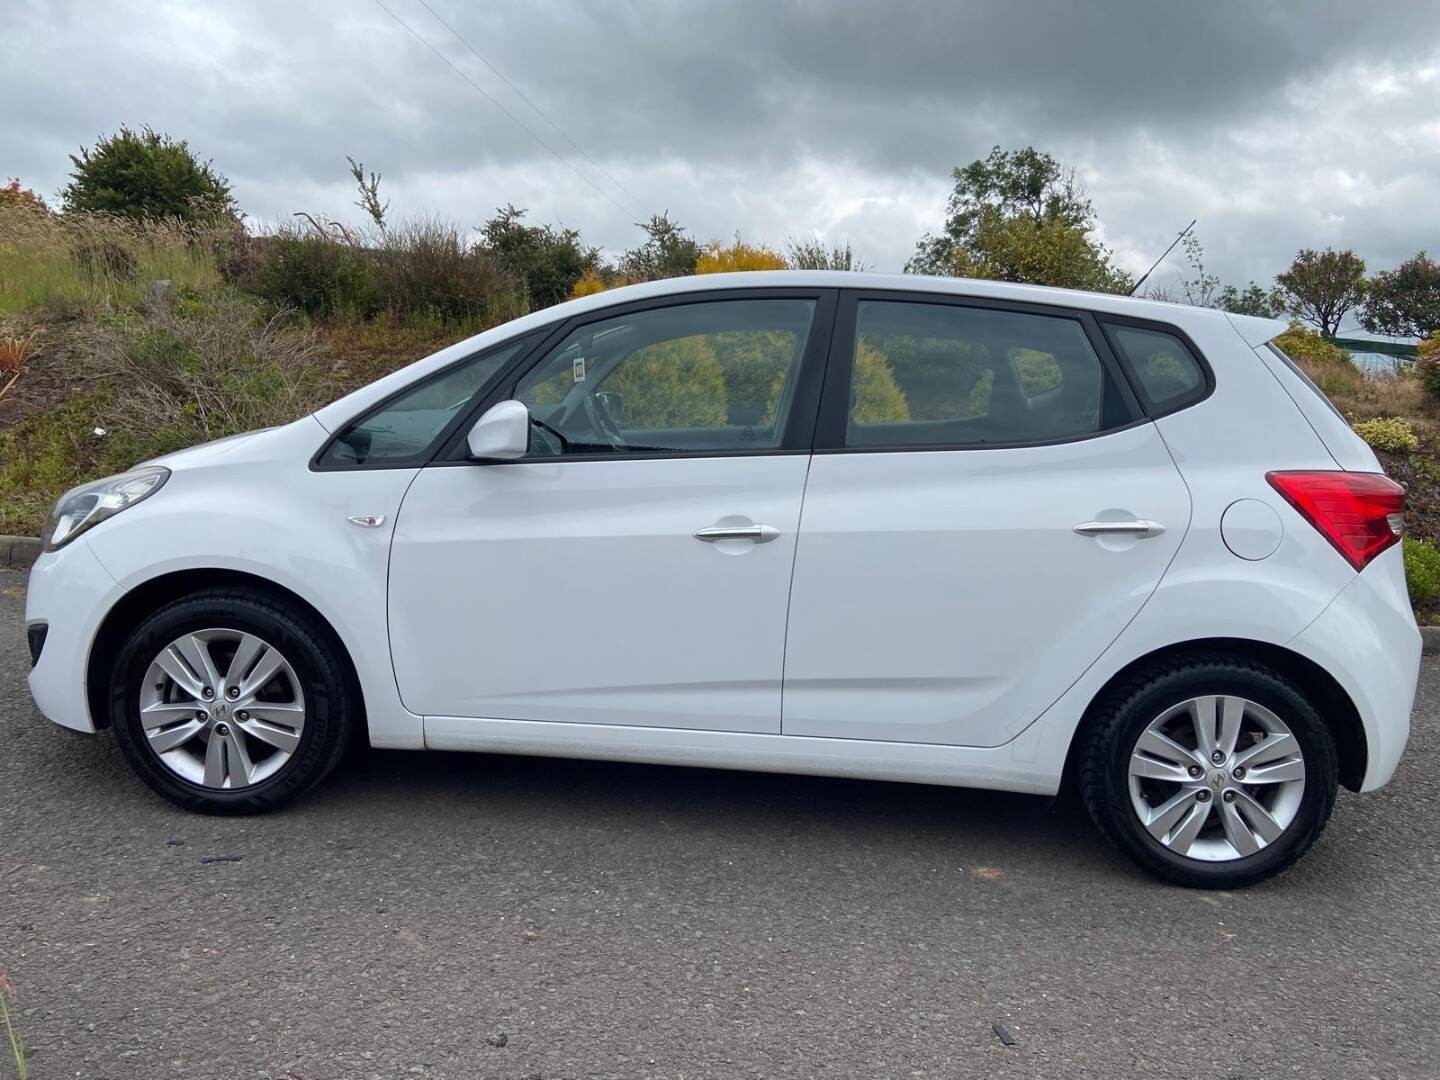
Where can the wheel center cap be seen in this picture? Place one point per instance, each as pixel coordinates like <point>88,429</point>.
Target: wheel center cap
<point>1217,779</point>
<point>220,711</point>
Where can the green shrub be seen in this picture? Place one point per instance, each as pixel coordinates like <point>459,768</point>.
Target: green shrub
<point>428,271</point>
<point>755,363</point>
<point>321,275</point>
<point>144,174</point>
<point>1427,370</point>
<point>672,384</point>
<point>549,260</point>
<point>415,271</point>
<point>1422,570</point>
<point>1391,434</point>
<point>876,396</point>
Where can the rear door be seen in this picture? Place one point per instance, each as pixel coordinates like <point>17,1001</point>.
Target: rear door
<point>985,512</point>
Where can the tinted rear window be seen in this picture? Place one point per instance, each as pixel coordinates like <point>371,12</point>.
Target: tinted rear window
<point>1168,372</point>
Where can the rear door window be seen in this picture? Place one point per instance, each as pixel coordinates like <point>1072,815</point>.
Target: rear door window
<point>955,376</point>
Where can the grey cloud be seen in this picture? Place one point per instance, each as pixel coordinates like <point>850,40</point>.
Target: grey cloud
<point>837,118</point>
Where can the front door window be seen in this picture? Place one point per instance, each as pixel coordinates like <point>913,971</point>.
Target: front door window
<point>717,376</point>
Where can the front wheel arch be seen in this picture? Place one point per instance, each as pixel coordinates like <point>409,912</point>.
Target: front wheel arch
<point>1325,693</point>
<point>149,596</point>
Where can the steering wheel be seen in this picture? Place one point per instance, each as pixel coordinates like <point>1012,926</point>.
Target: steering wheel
<point>604,424</point>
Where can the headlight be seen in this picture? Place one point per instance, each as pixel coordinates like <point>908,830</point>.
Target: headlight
<point>86,506</point>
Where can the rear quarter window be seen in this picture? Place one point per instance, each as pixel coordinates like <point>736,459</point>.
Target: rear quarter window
<point>1165,370</point>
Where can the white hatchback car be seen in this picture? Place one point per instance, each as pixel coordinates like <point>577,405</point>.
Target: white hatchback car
<point>932,530</point>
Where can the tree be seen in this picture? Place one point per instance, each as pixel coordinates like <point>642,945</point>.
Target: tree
<point>146,174</point>
<point>1044,252</point>
<point>1405,301</point>
<point>667,252</point>
<point>1322,286</point>
<point>1019,215</point>
<point>722,259</point>
<point>548,260</point>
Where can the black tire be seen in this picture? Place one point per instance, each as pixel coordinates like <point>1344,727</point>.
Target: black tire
<point>331,700</point>
<point>1127,710</point>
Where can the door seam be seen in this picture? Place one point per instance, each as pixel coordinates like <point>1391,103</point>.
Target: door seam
<point>790,591</point>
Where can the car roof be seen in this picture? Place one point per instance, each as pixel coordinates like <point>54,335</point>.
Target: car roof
<point>1255,331</point>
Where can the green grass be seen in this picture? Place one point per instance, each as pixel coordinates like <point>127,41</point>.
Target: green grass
<point>47,454</point>
<point>56,280</point>
<point>88,264</point>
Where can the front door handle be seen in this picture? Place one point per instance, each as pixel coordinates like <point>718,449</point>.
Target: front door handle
<point>1140,527</point>
<point>760,534</point>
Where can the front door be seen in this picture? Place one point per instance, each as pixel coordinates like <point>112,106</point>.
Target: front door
<point>634,568</point>
<point>942,591</point>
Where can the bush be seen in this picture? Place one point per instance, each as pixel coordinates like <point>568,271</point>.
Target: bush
<point>1304,346</point>
<point>1328,366</point>
<point>1422,570</point>
<point>754,362</point>
<point>1427,366</point>
<point>672,384</point>
<point>13,196</point>
<point>421,270</point>
<point>315,273</point>
<point>1393,435</point>
<point>547,260</point>
<point>428,271</point>
<point>721,259</point>
<point>146,175</point>
<point>877,396</point>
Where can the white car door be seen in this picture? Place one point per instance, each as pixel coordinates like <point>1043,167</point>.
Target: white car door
<point>985,513</point>
<point>634,568</point>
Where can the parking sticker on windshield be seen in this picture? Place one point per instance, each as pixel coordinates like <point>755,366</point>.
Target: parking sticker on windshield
<point>579,369</point>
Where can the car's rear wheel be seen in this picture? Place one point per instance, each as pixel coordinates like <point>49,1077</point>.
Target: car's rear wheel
<point>229,702</point>
<point>1209,771</point>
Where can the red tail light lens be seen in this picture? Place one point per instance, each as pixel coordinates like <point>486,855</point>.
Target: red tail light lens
<point>1359,513</point>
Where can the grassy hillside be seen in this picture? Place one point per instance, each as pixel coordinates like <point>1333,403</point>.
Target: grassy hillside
<point>100,368</point>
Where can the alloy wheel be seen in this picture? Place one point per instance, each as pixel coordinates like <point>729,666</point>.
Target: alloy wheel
<point>1216,778</point>
<point>222,708</point>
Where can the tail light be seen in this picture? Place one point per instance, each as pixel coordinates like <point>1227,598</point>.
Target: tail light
<point>1361,514</point>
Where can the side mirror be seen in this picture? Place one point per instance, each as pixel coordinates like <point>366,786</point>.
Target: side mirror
<point>502,434</point>
<point>614,404</point>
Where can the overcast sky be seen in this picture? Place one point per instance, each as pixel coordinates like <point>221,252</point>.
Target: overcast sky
<point>1278,125</point>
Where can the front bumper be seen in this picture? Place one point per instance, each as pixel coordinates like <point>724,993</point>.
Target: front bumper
<point>69,592</point>
<point>1367,639</point>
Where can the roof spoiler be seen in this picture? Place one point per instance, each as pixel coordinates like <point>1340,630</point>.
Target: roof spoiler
<point>1255,330</point>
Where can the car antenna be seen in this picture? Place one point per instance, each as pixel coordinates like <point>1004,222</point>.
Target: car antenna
<point>1181,236</point>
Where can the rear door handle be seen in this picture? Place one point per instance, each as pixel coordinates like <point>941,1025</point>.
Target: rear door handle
<point>1140,527</point>
<point>760,534</point>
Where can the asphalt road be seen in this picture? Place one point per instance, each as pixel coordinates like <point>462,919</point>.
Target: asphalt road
<point>475,916</point>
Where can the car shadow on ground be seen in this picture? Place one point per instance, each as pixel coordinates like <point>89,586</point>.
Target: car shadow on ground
<point>708,802</point>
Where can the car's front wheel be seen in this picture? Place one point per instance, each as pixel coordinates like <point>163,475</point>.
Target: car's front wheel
<point>1209,771</point>
<point>229,702</point>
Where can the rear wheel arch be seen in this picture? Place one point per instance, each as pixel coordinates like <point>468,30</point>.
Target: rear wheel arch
<point>1318,685</point>
<point>147,597</point>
